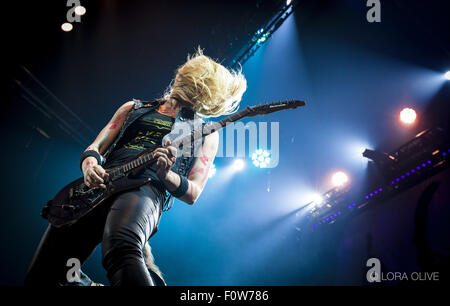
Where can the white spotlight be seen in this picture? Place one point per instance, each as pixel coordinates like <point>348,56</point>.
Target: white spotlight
<point>317,200</point>
<point>447,75</point>
<point>339,178</point>
<point>408,115</point>
<point>288,2</point>
<point>67,27</point>
<point>238,164</point>
<point>261,158</point>
<point>80,10</point>
<point>212,171</point>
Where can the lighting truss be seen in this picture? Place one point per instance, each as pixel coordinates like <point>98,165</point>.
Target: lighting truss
<point>262,35</point>
<point>415,161</point>
<point>33,91</point>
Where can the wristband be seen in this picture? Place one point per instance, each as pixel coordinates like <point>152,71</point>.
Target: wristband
<point>92,153</point>
<point>182,189</point>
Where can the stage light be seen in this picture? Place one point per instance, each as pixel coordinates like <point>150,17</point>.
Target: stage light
<point>408,115</point>
<point>261,158</point>
<point>288,2</point>
<point>67,27</point>
<point>212,171</point>
<point>256,41</point>
<point>447,75</point>
<point>339,178</point>
<point>317,200</point>
<point>263,38</point>
<point>238,164</point>
<point>80,10</point>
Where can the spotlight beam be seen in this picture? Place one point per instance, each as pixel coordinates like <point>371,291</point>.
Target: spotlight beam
<point>447,75</point>
<point>238,165</point>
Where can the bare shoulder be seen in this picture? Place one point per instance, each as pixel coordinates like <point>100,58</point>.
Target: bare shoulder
<point>126,106</point>
<point>123,109</point>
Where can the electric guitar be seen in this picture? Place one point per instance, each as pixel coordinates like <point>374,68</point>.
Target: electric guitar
<point>77,200</point>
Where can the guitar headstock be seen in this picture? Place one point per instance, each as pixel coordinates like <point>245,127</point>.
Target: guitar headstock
<point>268,108</point>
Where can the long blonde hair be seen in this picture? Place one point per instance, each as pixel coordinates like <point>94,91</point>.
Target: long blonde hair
<point>211,89</point>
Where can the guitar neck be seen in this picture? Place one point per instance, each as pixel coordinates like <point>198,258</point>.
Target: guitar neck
<point>210,128</point>
<point>146,158</point>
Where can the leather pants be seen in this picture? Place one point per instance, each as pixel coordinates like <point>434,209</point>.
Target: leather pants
<point>122,226</point>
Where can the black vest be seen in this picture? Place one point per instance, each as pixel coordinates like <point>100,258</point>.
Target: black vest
<point>185,116</point>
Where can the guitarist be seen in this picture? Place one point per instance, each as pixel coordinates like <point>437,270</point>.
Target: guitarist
<point>201,88</point>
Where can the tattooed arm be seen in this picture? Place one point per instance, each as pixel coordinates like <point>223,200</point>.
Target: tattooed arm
<point>199,174</point>
<point>94,173</point>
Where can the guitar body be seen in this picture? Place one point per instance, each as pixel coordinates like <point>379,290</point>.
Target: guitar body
<point>76,199</point>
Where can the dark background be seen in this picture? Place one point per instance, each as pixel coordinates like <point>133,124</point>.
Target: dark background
<point>356,77</point>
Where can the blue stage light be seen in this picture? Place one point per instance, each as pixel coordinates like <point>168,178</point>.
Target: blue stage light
<point>261,40</point>
<point>261,158</point>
